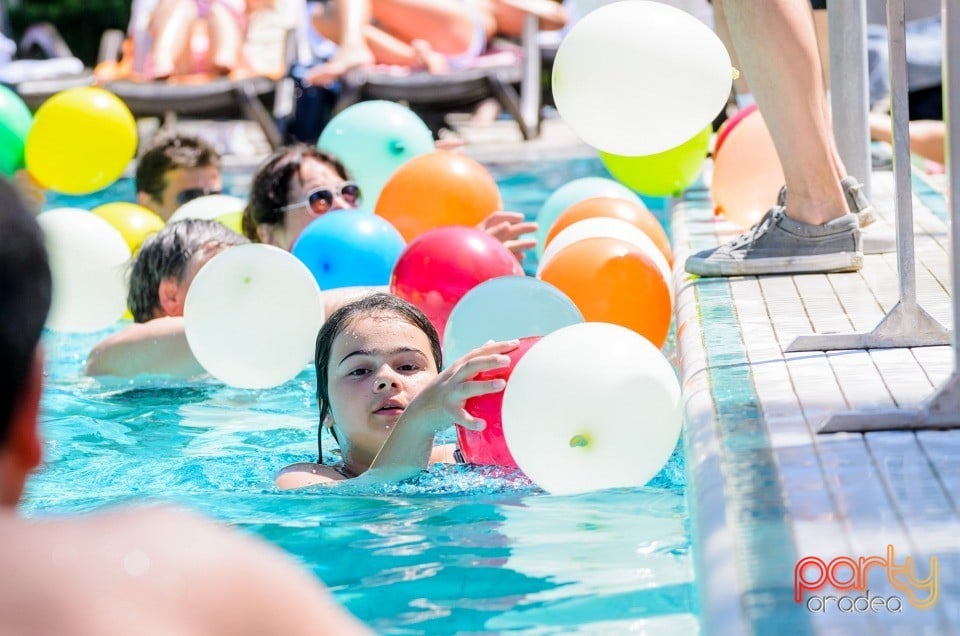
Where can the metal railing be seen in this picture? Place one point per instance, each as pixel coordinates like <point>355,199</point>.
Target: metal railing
<point>907,324</point>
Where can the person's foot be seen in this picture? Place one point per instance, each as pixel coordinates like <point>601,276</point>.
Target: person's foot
<point>345,60</point>
<point>780,245</point>
<point>857,202</point>
<point>430,60</point>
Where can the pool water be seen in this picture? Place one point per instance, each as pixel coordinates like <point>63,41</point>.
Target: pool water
<point>458,549</point>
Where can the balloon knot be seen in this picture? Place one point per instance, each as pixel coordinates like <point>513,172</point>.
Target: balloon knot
<point>579,441</point>
<point>397,147</point>
<point>735,73</point>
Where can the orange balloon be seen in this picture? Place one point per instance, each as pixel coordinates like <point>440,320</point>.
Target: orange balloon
<point>610,280</point>
<point>630,211</point>
<point>747,175</point>
<point>437,189</point>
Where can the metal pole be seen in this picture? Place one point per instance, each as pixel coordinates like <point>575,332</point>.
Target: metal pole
<point>849,86</point>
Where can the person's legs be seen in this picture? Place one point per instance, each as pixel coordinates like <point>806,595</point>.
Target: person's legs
<point>788,87</point>
<point>446,25</point>
<point>813,232</point>
<point>171,26</point>
<point>226,38</point>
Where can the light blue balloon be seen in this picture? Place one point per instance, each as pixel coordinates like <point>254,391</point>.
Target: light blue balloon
<point>373,139</point>
<point>505,308</point>
<point>574,192</point>
<point>344,248</point>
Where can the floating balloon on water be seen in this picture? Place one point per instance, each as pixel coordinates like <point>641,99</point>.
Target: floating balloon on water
<point>610,280</point>
<point>638,78</point>
<point>252,315</point>
<point>209,207</point>
<point>633,213</point>
<point>15,122</point>
<point>438,189</point>
<point>344,248</point>
<point>134,222</point>
<point>665,173</point>
<point>591,406</point>
<point>600,227</point>
<point>88,257</point>
<point>488,447</point>
<point>574,192</point>
<point>747,175</point>
<point>503,309</point>
<point>81,140</point>
<point>438,268</point>
<point>373,139</point>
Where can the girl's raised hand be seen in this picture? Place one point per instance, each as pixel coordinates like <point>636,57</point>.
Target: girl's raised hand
<point>442,401</point>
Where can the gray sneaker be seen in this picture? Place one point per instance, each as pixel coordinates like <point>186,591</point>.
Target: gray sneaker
<point>780,245</point>
<point>856,201</point>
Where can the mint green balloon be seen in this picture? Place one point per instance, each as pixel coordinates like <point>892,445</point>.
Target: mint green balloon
<point>15,122</point>
<point>574,192</point>
<point>373,139</point>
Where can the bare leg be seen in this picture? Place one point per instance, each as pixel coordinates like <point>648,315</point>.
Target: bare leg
<point>171,26</point>
<point>226,38</point>
<point>345,25</point>
<point>788,87</point>
<point>447,25</point>
<point>927,136</point>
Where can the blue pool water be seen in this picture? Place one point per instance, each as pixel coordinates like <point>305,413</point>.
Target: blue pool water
<point>459,549</point>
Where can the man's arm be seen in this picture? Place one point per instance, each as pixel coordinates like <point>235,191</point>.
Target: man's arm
<point>156,347</point>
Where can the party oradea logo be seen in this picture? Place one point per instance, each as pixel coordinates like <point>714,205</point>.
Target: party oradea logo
<point>814,577</point>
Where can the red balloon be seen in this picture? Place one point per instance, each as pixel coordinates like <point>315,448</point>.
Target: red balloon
<point>488,446</point>
<point>729,125</point>
<point>438,267</point>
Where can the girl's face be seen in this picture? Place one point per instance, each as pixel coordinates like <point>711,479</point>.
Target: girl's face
<point>314,175</point>
<point>378,365</point>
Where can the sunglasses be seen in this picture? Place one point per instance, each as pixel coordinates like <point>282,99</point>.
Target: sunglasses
<point>194,193</point>
<point>319,200</point>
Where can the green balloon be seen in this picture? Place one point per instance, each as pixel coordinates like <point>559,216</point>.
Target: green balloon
<point>666,173</point>
<point>15,122</point>
<point>373,139</point>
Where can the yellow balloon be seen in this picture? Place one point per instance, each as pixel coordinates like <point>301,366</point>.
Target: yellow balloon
<point>665,173</point>
<point>133,221</point>
<point>233,220</point>
<point>81,141</point>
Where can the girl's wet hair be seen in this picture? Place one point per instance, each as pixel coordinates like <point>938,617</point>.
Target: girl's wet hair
<point>378,304</point>
<point>270,189</point>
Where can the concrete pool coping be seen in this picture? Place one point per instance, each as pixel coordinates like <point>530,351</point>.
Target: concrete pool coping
<point>810,488</point>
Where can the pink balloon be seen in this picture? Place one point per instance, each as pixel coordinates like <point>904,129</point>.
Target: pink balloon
<point>441,265</point>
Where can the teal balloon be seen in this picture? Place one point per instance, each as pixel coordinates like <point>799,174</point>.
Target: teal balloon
<point>15,122</point>
<point>373,139</point>
<point>505,308</point>
<point>575,192</point>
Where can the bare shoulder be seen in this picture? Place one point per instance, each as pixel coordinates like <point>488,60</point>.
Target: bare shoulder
<point>303,474</point>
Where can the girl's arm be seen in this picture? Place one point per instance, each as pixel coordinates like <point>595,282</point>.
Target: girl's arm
<point>407,450</point>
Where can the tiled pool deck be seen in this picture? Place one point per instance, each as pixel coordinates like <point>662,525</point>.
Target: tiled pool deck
<point>765,489</point>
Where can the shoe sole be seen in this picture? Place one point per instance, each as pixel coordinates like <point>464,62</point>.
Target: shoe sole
<point>821,264</point>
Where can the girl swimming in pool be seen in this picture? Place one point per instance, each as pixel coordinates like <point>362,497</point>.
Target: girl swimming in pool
<point>382,394</point>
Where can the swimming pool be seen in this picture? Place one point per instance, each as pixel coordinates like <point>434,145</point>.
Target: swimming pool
<point>460,549</point>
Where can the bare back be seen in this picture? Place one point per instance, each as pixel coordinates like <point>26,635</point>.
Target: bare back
<point>154,571</point>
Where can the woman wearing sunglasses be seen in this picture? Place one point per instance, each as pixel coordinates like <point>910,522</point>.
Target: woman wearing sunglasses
<point>299,183</point>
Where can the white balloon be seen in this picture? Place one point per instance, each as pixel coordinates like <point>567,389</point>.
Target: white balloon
<point>88,257</point>
<point>208,207</point>
<point>505,308</point>
<point>616,228</point>
<point>592,406</point>
<point>252,315</point>
<point>637,77</point>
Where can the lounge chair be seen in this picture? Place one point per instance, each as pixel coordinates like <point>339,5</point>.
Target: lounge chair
<point>493,74</point>
<point>268,101</point>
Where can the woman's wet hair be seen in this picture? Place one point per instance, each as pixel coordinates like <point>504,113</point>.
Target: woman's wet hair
<point>377,304</point>
<point>166,254</point>
<point>270,189</point>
